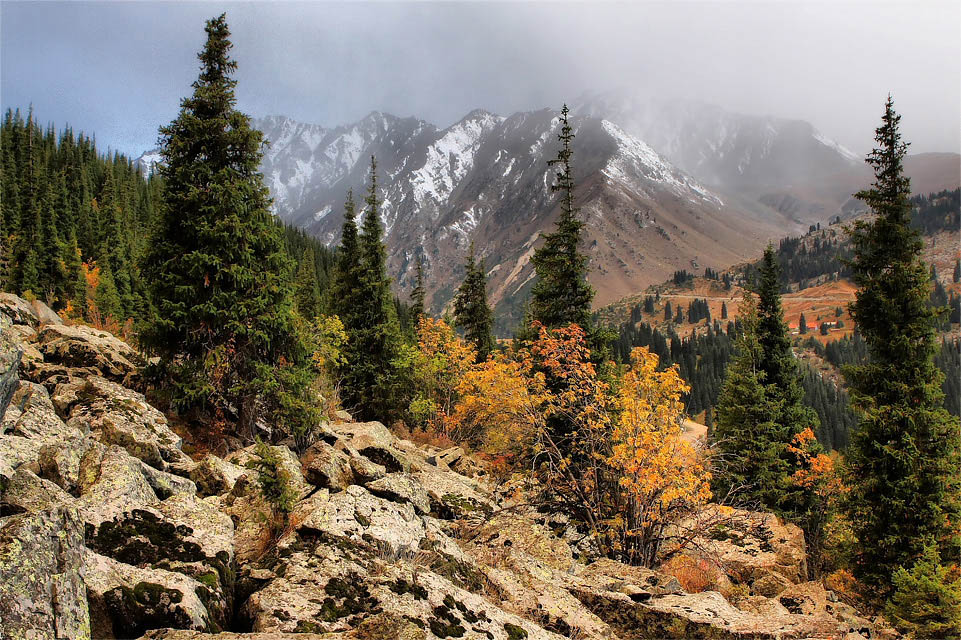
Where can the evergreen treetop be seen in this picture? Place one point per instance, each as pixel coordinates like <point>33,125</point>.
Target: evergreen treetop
<point>904,458</point>
<point>219,274</point>
<point>561,295</point>
<point>471,311</point>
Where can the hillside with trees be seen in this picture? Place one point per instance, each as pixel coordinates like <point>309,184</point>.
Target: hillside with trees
<point>266,439</point>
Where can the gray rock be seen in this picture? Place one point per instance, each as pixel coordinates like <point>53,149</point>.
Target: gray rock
<point>60,461</point>
<point>84,348</point>
<point>116,415</point>
<point>214,476</point>
<point>125,601</point>
<point>45,314</point>
<point>166,484</point>
<point>111,482</point>
<point>10,355</point>
<point>28,493</point>
<point>42,582</point>
<point>327,467</point>
<point>247,459</point>
<point>401,487</point>
<point>18,310</point>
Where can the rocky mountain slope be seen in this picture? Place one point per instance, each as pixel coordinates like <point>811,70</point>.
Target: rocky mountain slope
<point>664,185</point>
<point>486,179</point>
<point>108,529</point>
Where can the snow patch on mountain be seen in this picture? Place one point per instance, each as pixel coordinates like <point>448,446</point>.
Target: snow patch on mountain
<point>635,157</point>
<point>450,158</point>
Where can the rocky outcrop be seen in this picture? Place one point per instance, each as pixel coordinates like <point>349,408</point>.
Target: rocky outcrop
<point>42,578</point>
<point>108,529</point>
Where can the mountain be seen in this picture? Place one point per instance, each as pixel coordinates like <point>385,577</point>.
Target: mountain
<point>663,186</point>
<point>761,162</point>
<point>486,178</point>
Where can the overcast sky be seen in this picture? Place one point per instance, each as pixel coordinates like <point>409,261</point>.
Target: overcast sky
<point>119,69</point>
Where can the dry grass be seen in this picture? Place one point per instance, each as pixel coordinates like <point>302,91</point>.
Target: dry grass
<point>694,574</point>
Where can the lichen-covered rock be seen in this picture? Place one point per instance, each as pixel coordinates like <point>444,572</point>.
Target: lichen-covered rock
<point>452,496</point>
<point>26,492</point>
<point>181,534</point>
<point>167,484</point>
<point>18,310</point>
<point>125,601</point>
<point>10,356</point>
<point>358,514</point>
<point>327,467</point>
<point>322,583</point>
<point>111,482</point>
<point>86,349</point>
<point>60,461</point>
<point>119,416</point>
<point>38,418</point>
<point>42,586</point>
<point>375,442</point>
<point>181,634</point>
<point>246,458</point>
<point>401,487</point>
<point>16,452</point>
<point>215,476</point>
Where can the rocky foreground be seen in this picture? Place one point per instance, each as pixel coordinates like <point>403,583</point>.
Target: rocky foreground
<point>109,530</point>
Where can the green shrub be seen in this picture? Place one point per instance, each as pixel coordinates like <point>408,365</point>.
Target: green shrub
<point>927,599</point>
<point>274,480</point>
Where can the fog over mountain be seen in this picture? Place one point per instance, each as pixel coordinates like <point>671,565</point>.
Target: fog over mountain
<point>119,69</point>
<point>711,190</point>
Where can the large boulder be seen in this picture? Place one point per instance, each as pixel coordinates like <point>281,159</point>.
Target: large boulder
<point>18,310</point>
<point>214,476</point>
<point>25,492</point>
<point>125,601</point>
<point>375,442</point>
<point>38,417</point>
<point>360,515</point>
<point>65,348</point>
<point>327,467</point>
<point>44,313</point>
<point>111,483</point>
<point>401,487</point>
<point>10,355</point>
<point>42,582</point>
<point>247,458</point>
<point>119,416</point>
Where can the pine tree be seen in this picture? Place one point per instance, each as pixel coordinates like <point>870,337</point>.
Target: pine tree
<point>471,311</point>
<point>904,457</point>
<point>782,375</point>
<point>956,277</point>
<point>802,324</point>
<point>307,293</point>
<point>751,466</point>
<point>369,370</point>
<point>220,278</point>
<point>723,311</point>
<point>561,294</point>
<point>419,294</point>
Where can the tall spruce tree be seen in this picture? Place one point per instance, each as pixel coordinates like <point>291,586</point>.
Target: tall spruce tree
<point>471,311</point>
<point>561,294</point>
<point>782,375</point>
<point>369,370</point>
<point>904,456</point>
<point>307,293</point>
<point>751,467</point>
<point>220,278</point>
<point>419,294</point>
